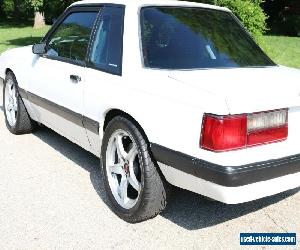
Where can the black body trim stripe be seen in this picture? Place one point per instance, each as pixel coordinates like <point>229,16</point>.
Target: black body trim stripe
<point>56,109</point>
<point>65,113</point>
<point>23,93</point>
<point>230,176</point>
<point>91,125</point>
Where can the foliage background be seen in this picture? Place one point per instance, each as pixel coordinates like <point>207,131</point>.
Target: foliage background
<point>281,17</point>
<point>275,17</point>
<point>248,11</point>
<point>23,10</point>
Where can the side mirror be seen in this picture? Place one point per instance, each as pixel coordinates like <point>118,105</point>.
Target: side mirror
<point>39,48</point>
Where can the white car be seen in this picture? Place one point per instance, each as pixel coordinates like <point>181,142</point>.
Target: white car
<point>164,92</point>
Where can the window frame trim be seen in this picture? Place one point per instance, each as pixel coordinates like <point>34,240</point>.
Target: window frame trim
<point>57,24</point>
<point>202,8</point>
<point>86,8</point>
<point>91,65</point>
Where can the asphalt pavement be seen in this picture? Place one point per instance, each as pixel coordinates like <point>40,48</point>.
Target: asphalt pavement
<point>52,197</point>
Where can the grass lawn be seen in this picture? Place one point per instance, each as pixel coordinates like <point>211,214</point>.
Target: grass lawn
<point>16,35</point>
<point>283,50</point>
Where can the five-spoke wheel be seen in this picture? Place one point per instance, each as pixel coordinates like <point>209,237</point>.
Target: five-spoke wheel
<point>11,103</point>
<point>17,118</point>
<point>136,190</point>
<point>123,169</point>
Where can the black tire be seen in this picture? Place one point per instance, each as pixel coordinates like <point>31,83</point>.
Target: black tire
<point>24,124</point>
<point>153,195</point>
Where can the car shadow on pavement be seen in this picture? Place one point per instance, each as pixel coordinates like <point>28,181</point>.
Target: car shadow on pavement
<point>186,209</point>
<point>192,211</point>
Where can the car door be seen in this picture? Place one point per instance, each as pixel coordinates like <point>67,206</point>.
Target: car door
<point>58,79</point>
<point>104,68</point>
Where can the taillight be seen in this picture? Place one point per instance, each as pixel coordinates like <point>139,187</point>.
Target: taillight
<point>224,133</point>
<point>266,127</point>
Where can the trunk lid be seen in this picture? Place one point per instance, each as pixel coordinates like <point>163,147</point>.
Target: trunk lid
<point>248,90</point>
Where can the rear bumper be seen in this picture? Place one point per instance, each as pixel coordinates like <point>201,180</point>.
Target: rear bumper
<point>229,184</point>
<point>229,176</point>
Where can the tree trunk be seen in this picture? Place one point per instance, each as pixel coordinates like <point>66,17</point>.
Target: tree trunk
<point>39,20</point>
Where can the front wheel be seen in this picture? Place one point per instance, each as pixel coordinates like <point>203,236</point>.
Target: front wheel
<point>135,188</point>
<point>17,119</point>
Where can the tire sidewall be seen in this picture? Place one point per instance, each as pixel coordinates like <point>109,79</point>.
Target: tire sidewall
<point>10,76</point>
<point>126,125</point>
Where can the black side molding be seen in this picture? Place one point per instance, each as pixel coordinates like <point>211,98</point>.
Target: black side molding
<point>229,176</point>
<point>65,113</point>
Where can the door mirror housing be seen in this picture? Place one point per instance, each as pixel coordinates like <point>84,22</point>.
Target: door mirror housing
<point>39,48</point>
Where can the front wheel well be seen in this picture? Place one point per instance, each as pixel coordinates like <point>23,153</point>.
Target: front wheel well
<point>116,112</point>
<point>8,70</point>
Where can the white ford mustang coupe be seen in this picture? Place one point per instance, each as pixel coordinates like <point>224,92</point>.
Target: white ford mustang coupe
<point>164,92</point>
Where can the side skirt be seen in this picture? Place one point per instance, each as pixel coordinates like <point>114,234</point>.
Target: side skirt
<point>67,119</point>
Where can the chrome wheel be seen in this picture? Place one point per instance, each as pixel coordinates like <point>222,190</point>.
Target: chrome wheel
<point>123,169</point>
<point>11,102</point>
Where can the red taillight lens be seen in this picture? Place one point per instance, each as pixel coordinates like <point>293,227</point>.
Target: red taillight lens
<point>267,136</point>
<point>224,133</point>
<point>221,133</point>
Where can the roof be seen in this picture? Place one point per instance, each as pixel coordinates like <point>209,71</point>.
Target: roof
<point>152,3</point>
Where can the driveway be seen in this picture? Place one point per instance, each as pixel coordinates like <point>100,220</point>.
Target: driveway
<point>52,197</point>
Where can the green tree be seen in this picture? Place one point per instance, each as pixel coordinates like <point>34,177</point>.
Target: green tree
<point>54,8</point>
<point>2,13</point>
<point>248,11</point>
<point>16,9</point>
<point>39,9</point>
<point>39,16</point>
<point>284,16</point>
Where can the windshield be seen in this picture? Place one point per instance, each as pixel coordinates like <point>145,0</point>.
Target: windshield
<point>191,38</point>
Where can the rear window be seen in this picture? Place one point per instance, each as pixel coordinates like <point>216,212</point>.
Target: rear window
<point>191,38</point>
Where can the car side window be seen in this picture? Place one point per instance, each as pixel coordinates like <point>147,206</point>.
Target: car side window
<point>106,52</point>
<point>71,39</point>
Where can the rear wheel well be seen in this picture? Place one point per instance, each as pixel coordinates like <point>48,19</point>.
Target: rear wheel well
<point>116,112</point>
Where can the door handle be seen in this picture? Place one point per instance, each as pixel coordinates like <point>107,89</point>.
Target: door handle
<point>75,78</point>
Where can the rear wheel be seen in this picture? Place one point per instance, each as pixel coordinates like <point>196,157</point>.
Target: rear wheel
<point>16,117</point>
<point>135,188</point>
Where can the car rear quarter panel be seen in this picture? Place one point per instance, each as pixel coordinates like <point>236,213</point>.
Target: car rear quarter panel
<point>169,111</point>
